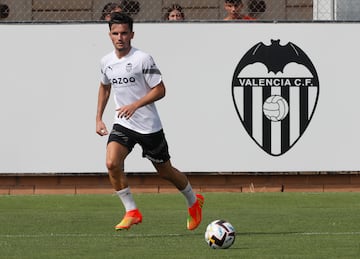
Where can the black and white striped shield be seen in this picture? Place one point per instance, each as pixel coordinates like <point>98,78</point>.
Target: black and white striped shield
<point>275,89</point>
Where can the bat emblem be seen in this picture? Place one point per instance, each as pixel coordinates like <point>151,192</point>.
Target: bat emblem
<point>275,90</point>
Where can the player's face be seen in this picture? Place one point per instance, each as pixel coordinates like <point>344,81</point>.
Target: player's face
<point>121,36</point>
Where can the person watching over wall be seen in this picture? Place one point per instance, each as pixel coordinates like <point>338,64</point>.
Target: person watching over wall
<point>234,10</point>
<point>108,9</point>
<point>4,11</point>
<point>174,13</point>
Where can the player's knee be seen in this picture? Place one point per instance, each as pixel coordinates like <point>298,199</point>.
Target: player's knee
<point>113,165</point>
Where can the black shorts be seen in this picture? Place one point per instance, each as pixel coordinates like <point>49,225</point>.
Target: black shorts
<point>154,145</point>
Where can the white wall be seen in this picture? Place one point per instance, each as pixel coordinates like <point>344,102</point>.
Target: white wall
<point>49,81</point>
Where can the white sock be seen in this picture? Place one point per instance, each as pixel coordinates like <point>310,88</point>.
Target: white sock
<point>127,199</point>
<point>189,195</point>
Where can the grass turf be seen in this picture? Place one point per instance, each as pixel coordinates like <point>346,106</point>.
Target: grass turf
<point>269,225</point>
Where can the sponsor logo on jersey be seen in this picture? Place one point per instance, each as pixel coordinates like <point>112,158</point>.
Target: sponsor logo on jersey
<point>123,81</point>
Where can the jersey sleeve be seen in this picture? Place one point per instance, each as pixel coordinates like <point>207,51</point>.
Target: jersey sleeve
<point>103,78</point>
<point>151,72</point>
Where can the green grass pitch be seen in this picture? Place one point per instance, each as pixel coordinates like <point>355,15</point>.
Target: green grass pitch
<point>268,225</point>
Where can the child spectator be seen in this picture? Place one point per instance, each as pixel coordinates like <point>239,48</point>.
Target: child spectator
<point>174,13</point>
<point>233,10</point>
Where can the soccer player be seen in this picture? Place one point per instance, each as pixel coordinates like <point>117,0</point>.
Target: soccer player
<point>137,83</point>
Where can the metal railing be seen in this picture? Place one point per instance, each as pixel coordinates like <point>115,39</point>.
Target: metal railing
<point>200,10</point>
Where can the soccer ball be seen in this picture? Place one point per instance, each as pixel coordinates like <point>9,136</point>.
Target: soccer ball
<point>275,108</point>
<point>220,234</point>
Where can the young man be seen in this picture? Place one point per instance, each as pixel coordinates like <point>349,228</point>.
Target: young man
<point>233,10</point>
<point>108,9</point>
<point>137,84</point>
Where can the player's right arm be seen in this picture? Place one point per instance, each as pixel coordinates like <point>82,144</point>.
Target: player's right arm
<point>103,97</point>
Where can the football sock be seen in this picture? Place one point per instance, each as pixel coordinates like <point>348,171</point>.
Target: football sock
<point>189,195</point>
<point>127,199</point>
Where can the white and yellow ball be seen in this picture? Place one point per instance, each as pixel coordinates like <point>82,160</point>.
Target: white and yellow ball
<point>220,234</point>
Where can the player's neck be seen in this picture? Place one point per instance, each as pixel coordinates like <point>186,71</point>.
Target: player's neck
<point>120,53</point>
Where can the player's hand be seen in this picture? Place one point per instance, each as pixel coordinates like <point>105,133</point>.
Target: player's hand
<point>101,129</point>
<point>126,111</point>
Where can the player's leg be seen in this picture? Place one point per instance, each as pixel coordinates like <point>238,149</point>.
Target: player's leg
<point>115,157</point>
<point>155,148</point>
<point>116,153</point>
<point>195,201</point>
<point>171,174</point>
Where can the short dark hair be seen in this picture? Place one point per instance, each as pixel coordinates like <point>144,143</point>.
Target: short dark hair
<point>235,2</point>
<point>4,11</point>
<point>173,8</point>
<point>108,9</point>
<point>121,18</point>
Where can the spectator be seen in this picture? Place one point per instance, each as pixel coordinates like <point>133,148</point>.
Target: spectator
<point>233,10</point>
<point>174,13</point>
<point>108,9</point>
<point>4,11</point>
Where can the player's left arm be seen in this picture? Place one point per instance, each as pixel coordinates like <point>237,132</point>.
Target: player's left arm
<point>156,93</point>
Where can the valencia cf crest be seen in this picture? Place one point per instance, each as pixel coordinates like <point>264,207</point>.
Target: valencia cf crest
<point>128,67</point>
<point>275,89</point>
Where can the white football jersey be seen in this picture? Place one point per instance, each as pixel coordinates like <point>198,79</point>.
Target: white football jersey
<point>131,77</point>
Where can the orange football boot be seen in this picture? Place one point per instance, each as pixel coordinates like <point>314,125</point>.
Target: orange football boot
<point>195,213</point>
<point>131,217</point>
